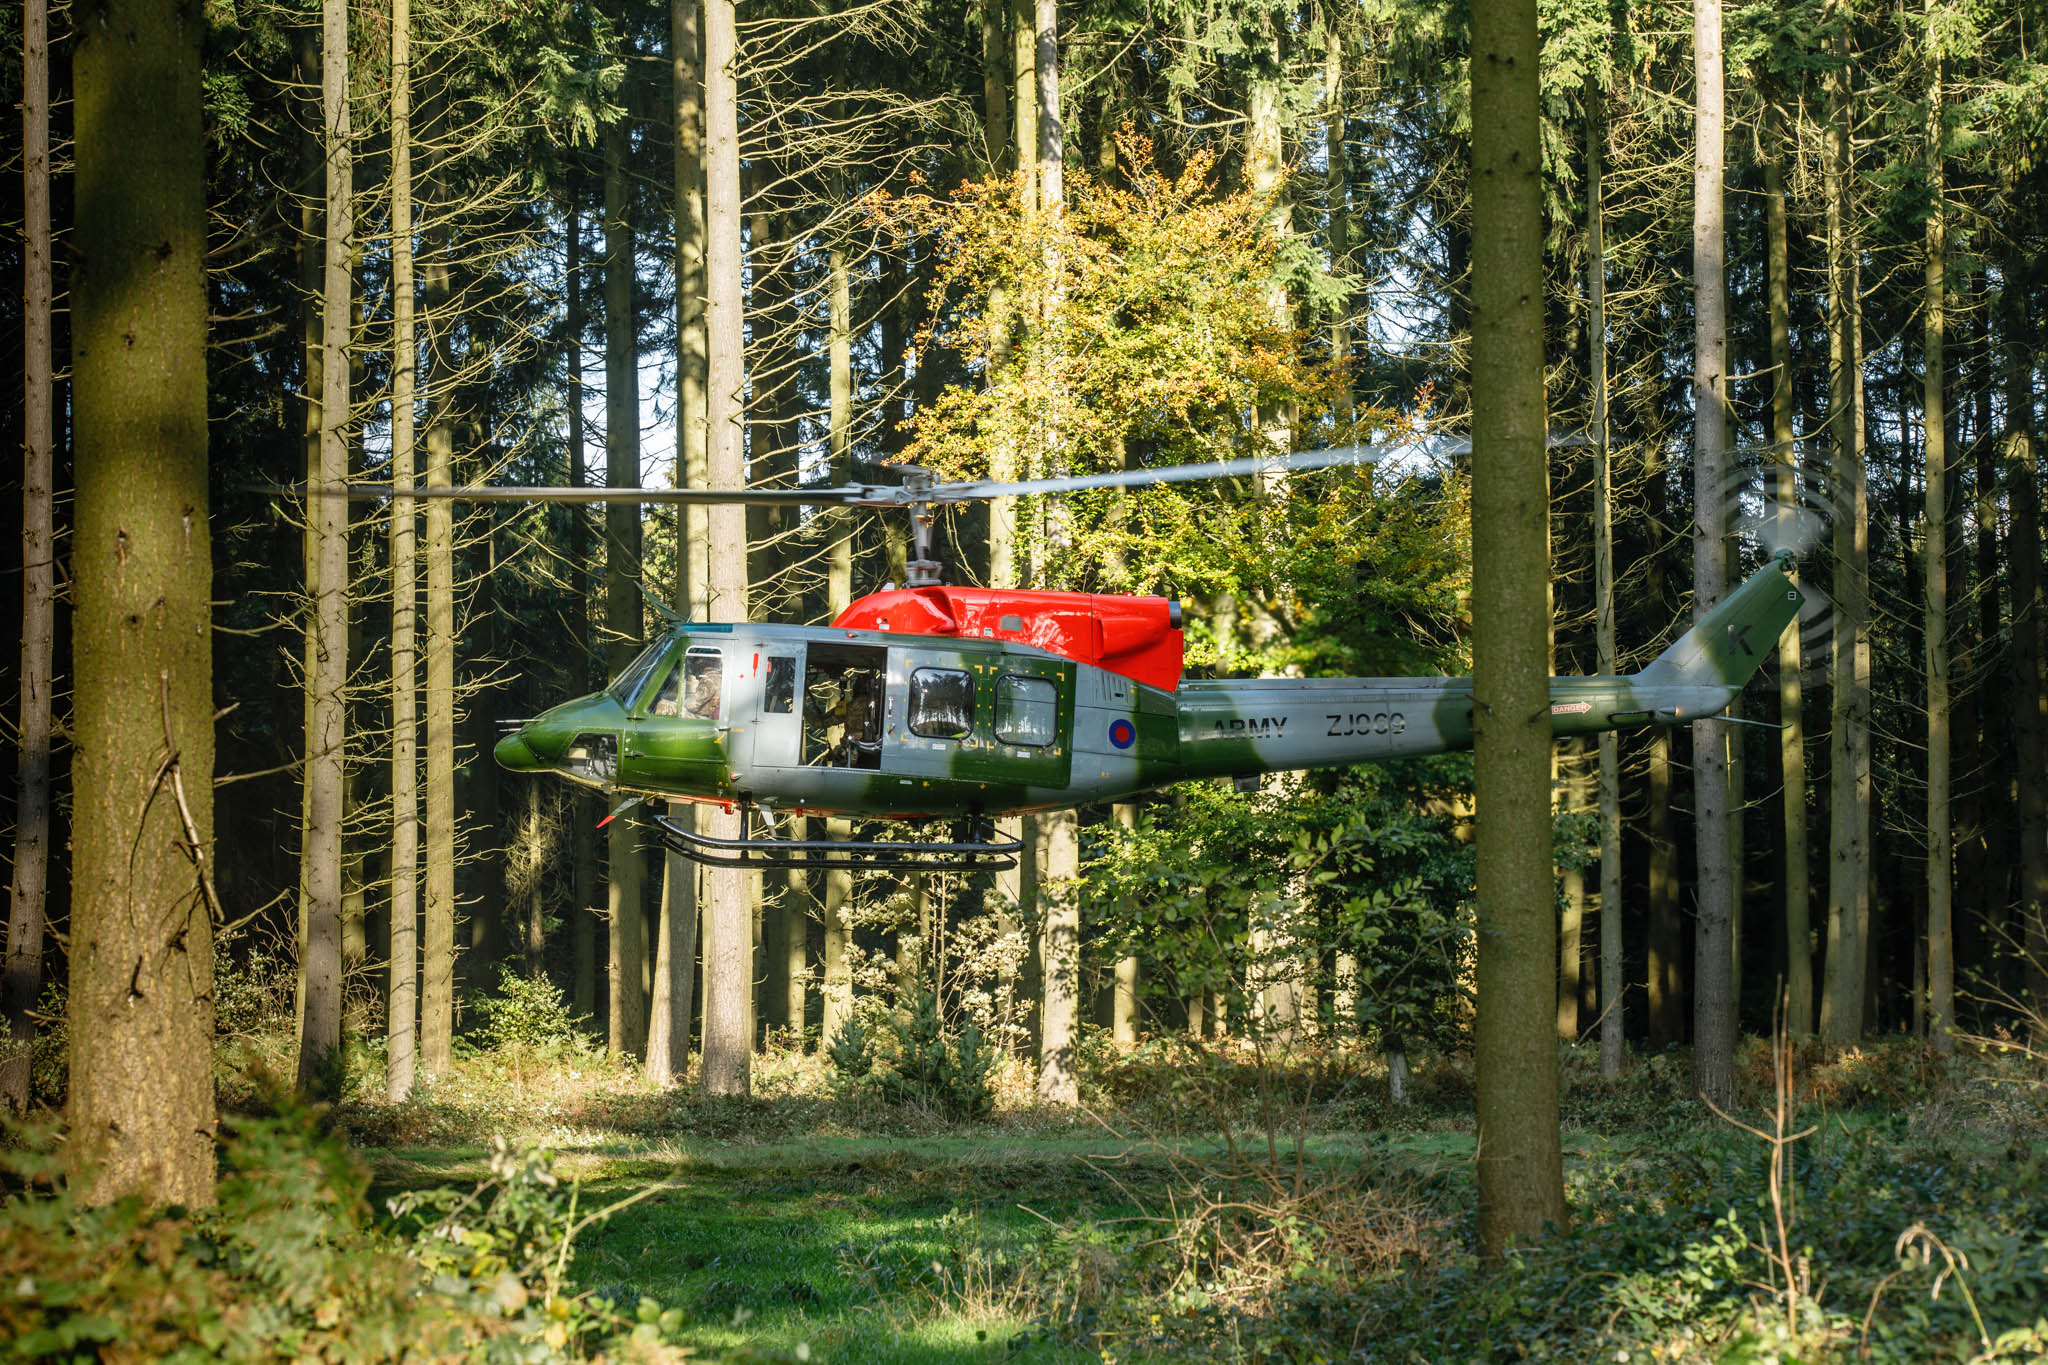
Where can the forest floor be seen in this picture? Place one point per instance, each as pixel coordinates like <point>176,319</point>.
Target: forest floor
<point>1222,1206</point>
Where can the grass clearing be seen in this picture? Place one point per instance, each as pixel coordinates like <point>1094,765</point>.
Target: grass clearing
<point>1172,1223</point>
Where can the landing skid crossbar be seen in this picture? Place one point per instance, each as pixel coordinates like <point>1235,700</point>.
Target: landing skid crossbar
<point>972,855</point>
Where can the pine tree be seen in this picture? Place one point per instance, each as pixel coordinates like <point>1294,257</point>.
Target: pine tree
<point>1521,1177</point>
<point>21,980</point>
<point>142,902</point>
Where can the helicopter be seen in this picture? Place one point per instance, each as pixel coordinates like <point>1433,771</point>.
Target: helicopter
<point>929,702</point>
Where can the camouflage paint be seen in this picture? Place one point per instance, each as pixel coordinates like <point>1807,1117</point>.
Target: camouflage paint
<point>1115,737</point>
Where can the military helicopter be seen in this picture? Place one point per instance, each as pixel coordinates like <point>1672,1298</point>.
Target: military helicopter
<point>930,702</point>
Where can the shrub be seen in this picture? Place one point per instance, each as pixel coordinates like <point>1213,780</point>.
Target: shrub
<point>951,1073</point>
<point>529,1017</point>
<point>852,1054</point>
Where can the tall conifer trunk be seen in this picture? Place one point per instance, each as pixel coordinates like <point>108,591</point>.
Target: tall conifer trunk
<point>1791,684</point>
<point>1060,944</point>
<point>1666,930</point>
<point>1520,1171</point>
<point>837,960</point>
<point>728,926</point>
<point>1718,880</point>
<point>1846,986</point>
<point>402,1013</point>
<point>141,1112</point>
<point>327,523</point>
<point>2030,681</point>
<point>675,967</point>
<point>437,921</point>
<point>583,808</point>
<point>1612,982</point>
<point>1941,986</point>
<point>29,893</point>
<point>627,938</point>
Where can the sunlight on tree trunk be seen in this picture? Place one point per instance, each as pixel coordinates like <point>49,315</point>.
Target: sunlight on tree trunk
<point>1520,1170</point>
<point>141,1112</point>
<point>728,930</point>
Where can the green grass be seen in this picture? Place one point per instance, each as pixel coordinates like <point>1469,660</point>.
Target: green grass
<point>860,1232</point>
<point>831,1242</point>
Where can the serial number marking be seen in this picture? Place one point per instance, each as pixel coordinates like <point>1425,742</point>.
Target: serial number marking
<point>1368,723</point>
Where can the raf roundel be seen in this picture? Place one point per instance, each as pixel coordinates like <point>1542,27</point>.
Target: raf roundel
<point>1121,734</point>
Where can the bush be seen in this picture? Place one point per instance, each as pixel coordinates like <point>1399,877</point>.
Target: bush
<point>949,1073</point>
<point>530,1018</point>
<point>852,1054</point>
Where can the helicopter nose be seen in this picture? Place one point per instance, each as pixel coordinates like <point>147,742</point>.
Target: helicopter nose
<point>515,754</point>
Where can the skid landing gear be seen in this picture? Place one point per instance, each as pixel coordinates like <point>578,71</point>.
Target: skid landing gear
<point>972,849</point>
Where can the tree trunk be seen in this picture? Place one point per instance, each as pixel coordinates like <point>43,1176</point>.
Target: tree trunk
<point>539,849</point>
<point>141,1110</point>
<point>728,927</point>
<point>583,809</point>
<point>626,939</point>
<point>402,1014</point>
<point>1571,929</point>
<point>1941,986</point>
<point>437,923</point>
<point>1124,1011</point>
<point>1666,931</point>
<point>1521,1176</point>
<point>1612,1017</point>
<point>1337,191</point>
<point>1791,705</point>
<point>2030,687</point>
<point>327,523</point>
<point>995,82</point>
<point>1846,987</point>
<point>675,967</point>
<point>837,906</point>
<point>1060,936</point>
<point>29,894</point>
<point>1024,59</point>
<point>311,264</point>
<point>1060,951</point>
<point>1713,1027</point>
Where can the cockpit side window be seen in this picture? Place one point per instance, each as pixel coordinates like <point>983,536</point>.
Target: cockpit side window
<point>627,685</point>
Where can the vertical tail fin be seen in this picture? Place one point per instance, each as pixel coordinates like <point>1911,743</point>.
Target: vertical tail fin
<point>1736,637</point>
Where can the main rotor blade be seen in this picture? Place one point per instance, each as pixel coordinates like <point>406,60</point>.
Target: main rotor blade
<point>1190,473</point>
<point>477,492</point>
<point>1329,458</point>
<point>917,489</point>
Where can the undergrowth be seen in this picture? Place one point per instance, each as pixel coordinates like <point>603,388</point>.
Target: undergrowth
<point>291,1263</point>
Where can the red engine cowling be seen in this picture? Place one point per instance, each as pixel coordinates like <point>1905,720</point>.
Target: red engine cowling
<point>1138,637</point>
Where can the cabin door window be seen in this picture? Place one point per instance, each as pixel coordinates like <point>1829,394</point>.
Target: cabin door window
<point>1027,711</point>
<point>778,732</point>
